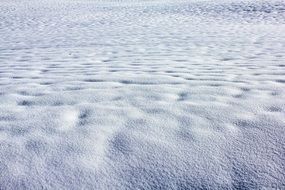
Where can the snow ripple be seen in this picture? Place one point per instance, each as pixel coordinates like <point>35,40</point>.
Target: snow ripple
<point>142,94</point>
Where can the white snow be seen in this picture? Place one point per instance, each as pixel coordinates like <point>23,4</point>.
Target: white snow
<point>142,94</point>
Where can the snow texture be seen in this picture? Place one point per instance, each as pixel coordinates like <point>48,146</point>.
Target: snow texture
<point>142,94</point>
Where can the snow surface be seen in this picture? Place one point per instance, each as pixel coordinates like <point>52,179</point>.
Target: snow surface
<point>142,94</point>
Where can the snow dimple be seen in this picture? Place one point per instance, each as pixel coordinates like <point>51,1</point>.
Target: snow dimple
<point>142,94</point>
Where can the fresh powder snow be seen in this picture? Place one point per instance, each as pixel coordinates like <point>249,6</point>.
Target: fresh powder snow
<point>157,94</point>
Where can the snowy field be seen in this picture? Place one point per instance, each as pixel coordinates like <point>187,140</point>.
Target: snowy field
<point>142,94</point>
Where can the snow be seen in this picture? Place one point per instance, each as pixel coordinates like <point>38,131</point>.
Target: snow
<point>142,94</point>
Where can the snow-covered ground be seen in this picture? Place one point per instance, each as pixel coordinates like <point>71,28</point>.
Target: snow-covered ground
<point>142,94</point>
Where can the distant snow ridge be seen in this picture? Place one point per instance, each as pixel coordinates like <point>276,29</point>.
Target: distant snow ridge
<point>142,94</point>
